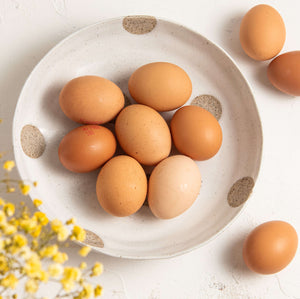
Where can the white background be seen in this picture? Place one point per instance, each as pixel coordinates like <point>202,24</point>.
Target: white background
<point>30,28</point>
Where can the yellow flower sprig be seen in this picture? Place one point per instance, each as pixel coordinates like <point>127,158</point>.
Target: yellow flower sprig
<point>12,184</point>
<point>29,239</point>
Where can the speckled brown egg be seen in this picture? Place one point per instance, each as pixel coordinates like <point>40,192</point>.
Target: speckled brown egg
<point>143,134</point>
<point>121,186</point>
<point>91,100</point>
<point>163,86</point>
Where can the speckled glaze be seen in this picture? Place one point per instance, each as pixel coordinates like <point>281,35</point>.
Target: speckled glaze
<point>32,141</point>
<point>210,103</point>
<point>107,49</point>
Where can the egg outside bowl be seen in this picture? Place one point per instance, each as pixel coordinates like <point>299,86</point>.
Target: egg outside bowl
<point>127,43</point>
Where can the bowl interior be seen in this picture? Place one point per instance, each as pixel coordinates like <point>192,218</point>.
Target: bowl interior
<point>108,50</point>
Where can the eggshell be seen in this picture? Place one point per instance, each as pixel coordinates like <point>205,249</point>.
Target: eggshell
<point>262,32</point>
<point>196,132</point>
<point>174,185</point>
<point>284,73</point>
<point>161,85</point>
<point>121,186</point>
<point>270,247</point>
<point>91,100</point>
<point>86,148</point>
<point>143,134</point>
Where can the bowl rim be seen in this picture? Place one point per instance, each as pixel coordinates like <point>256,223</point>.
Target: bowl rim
<point>15,136</point>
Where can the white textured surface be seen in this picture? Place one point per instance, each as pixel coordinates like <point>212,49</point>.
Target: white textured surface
<point>28,29</point>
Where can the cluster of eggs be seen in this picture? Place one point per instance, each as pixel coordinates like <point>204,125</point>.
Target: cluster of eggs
<point>146,138</point>
<point>262,36</point>
<point>143,135</point>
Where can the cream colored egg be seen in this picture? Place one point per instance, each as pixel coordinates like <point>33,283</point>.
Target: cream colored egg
<point>173,187</point>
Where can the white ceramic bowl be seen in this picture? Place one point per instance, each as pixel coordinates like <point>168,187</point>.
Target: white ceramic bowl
<point>113,49</point>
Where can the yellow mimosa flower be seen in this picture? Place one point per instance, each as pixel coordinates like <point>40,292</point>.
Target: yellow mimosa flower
<point>97,269</point>
<point>84,251</point>
<point>49,251</point>
<point>24,188</point>
<point>97,291</point>
<point>60,257</point>
<point>31,286</point>
<point>10,281</point>
<point>82,265</point>
<point>8,165</point>
<point>37,202</point>
<point>71,221</point>
<point>55,270</point>
<point>41,218</point>
<point>9,209</point>
<point>78,233</point>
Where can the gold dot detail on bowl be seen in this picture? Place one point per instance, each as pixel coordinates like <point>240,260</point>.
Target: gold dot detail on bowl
<point>32,141</point>
<point>240,191</point>
<point>209,103</point>
<point>139,24</point>
<point>92,239</point>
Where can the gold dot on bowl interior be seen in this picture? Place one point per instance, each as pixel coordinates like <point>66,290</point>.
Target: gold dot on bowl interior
<point>139,24</point>
<point>92,239</point>
<point>240,191</point>
<point>32,141</point>
<point>209,103</point>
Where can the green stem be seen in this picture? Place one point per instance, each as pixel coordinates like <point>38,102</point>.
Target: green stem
<point>86,272</point>
<point>7,181</point>
<point>68,294</point>
<point>58,293</point>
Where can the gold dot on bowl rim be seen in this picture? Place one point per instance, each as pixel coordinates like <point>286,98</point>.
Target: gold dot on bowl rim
<point>240,191</point>
<point>139,24</point>
<point>32,141</point>
<point>92,239</point>
<point>209,103</point>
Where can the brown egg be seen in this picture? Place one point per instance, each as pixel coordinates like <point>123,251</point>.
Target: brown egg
<point>143,134</point>
<point>86,148</point>
<point>161,85</point>
<point>284,73</point>
<point>262,32</point>
<point>196,132</point>
<point>121,186</point>
<point>174,185</point>
<point>270,247</point>
<point>91,100</point>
